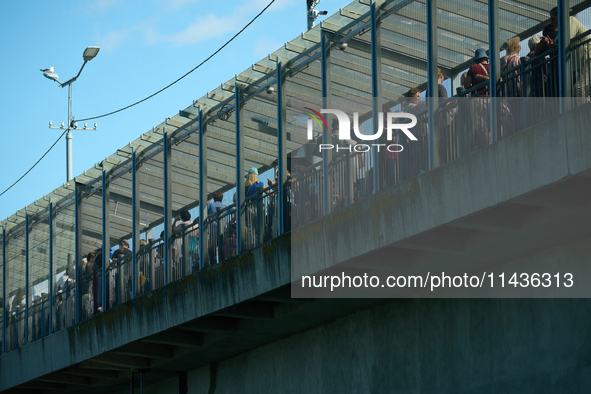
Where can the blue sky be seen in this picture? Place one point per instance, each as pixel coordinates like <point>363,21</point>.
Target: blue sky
<point>145,45</point>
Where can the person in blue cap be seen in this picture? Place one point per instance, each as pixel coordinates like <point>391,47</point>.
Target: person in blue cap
<point>478,72</point>
<point>252,182</point>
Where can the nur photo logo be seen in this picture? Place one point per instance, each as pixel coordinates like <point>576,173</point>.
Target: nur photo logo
<point>344,129</point>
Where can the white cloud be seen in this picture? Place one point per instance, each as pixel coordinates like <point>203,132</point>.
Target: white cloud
<point>203,29</point>
<point>212,26</point>
<point>103,5</point>
<point>175,4</point>
<point>110,40</point>
<point>256,6</point>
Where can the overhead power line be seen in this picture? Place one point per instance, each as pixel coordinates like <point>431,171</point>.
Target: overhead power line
<point>199,65</point>
<point>150,96</point>
<point>30,169</point>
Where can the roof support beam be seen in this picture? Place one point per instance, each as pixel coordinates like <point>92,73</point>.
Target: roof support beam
<point>250,311</point>
<point>60,377</point>
<point>154,350</point>
<point>211,324</point>
<point>117,360</point>
<point>444,25</point>
<point>176,337</point>
<point>390,56</point>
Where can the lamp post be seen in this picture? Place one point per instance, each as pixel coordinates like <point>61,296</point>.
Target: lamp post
<point>89,54</point>
<point>311,13</point>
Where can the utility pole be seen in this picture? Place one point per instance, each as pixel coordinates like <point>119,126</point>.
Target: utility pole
<point>89,54</point>
<point>311,13</point>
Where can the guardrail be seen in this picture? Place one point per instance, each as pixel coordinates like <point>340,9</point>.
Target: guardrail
<point>461,127</point>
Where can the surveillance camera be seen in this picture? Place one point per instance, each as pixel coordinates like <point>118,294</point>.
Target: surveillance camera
<point>50,123</point>
<point>343,46</point>
<point>270,89</point>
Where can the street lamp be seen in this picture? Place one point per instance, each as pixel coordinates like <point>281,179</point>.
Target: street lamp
<point>88,55</point>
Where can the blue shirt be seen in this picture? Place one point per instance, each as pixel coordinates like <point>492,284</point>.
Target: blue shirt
<point>211,207</point>
<point>252,189</point>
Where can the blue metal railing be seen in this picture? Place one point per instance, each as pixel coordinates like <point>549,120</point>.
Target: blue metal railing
<point>461,126</point>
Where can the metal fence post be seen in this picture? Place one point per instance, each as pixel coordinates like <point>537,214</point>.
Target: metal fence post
<point>135,228</point>
<point>564,72</point>
<point>27,270</point>
<point>494,66</point>
<point>376,87</point>
<point>326,135</point>
<point>4,301</point>
<point>167,205</point>
<point>432,86</point>
<point>220,235</point>
<point>78,251</point>
<point>240,191</point>
<point>106,238</point>
<point>202,189</point>
<point>50,320</point>
<point>152,266</point>
<point>260,216</point>
<point>185,251</point>
<point>350,160</point>
<point>281,152</point>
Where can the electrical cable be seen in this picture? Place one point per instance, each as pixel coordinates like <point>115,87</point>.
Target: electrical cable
<point>30,169</point>
<point>152,95</point>
<point>199,65</point>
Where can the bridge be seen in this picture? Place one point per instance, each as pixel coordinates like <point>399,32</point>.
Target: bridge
<point>219,301</point>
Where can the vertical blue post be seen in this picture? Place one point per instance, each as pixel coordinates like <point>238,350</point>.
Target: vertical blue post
<point>4,309</point>
<point>281,153</point>
<point>376,87</point>
<point>135,228</point>
<point>202,188</point>
<point>106,239</point>
<point>432,77</point>
<point>563,43</point>
<point>50,308</point>
<point>240,192</point>
<point>167,205</point>
<point>27,295</point>
<point>494,65</point>
<point>326,135</point>
<point>78,249</point>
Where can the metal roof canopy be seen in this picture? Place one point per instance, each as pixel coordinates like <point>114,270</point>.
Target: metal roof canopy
<point>462,27</point>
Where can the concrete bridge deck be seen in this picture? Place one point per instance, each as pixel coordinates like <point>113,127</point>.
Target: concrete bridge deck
<point>521,203</point>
